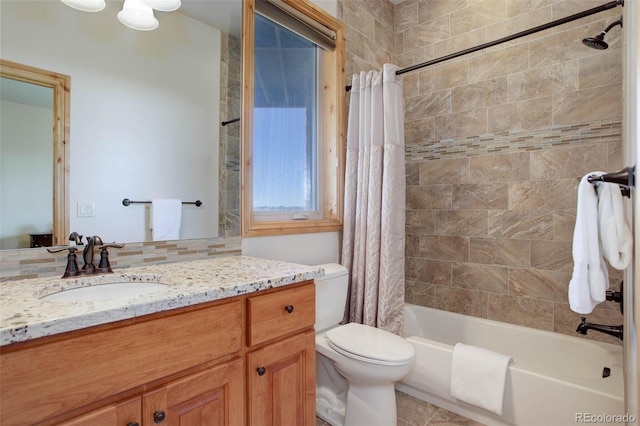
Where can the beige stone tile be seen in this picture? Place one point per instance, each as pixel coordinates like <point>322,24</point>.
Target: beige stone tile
<point>359,18</point>
<point>420,294</point>
<point>429,32</point>
<point>429,197</point>
<point>478,95</point>
<point>521,7</point>
<point>406,15</point>
<point>432,9</point>
<point>491,195</point>
<point>563,46</point>
<point>538,284</point>
<point>416,56</point>
<point>552,255</point>
<point>494,251</point>
<point>499,167</point>
<point>420,221</point>
<point>543,194</point>
<point>521,311</point>
<point>461,222</point>
<point>444,170</point>
<point>444,76</point>
<point>567,161</point>
<point>473,276</point>
<point>419,131</point>
<point>460,42</point>
<point>566,322</point>
<point>545,81</point>
<point>531,114</point>
<point>410,84</point>
<point>614,155</point>
<point>440,247</point>
<point>428,271</point>
<point>521,224</point>
<point>562,9</point>
<point>429,105</point>
<point>355,44</point>
<point>467,123</point>
<point>384,37</point>
<point>601,70</point>
<point>478,15</point>
<point>521,22</point>
<point>462,301</point>
<point>412,245</point>
<point>412,172</point>
<point>564,221</point>
<point>498,63</point>
<point>413,410</point>
<point>583,106</point>
<point>375,54</point>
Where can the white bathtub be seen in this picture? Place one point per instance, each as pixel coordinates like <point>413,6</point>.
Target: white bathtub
<point>553,379</point>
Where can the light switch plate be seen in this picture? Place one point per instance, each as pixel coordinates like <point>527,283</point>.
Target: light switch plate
<point>85,209</point>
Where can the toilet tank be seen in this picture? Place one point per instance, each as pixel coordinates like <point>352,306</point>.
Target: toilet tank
<point>331,295</point>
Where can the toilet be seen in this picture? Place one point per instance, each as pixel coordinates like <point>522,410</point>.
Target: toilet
<point>356,365</point>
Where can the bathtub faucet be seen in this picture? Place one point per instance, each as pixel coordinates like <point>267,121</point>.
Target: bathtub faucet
<point>612,330</point>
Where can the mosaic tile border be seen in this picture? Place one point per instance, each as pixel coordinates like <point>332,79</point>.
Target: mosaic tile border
<point>517,141</point>
<point>36,263</point>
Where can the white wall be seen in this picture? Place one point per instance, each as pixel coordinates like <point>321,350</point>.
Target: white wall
<point>308,249</point>
<point>26,173</point>
<point>144,110</point>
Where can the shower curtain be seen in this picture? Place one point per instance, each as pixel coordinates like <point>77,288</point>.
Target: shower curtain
<point>374,218</point>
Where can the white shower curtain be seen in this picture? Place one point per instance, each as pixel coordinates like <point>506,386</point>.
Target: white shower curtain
<point>374,217</point>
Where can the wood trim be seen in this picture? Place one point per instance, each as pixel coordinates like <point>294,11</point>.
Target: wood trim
<point>333,125</point>
<point>61,85</point>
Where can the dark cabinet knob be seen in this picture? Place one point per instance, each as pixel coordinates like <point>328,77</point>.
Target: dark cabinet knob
<point>261,371</point>
<point>133,424</point>
<point>159,416</point>
<point>288,308</point>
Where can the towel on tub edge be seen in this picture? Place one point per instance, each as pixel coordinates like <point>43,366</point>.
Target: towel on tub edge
<point>478,376</point>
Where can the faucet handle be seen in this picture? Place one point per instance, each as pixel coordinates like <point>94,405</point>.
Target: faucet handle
<point>72,265</point>
<point>104,266</point>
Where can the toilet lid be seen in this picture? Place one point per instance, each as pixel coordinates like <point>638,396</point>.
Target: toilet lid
<point>370,344</point>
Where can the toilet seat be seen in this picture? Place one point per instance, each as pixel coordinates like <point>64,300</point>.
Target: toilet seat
<point>370,344</point>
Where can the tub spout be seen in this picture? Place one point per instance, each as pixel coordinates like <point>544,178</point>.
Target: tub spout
<point>612,330</point>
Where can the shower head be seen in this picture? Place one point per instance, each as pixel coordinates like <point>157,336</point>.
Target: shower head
<point>598,42</point>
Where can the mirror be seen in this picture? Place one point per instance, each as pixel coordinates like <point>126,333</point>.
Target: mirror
<point>145,111</point>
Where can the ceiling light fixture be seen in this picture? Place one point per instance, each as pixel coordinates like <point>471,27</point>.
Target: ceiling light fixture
<point>136,14</point>
<point>86,5</point>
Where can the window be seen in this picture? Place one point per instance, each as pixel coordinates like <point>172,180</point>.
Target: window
<point>292,119</point>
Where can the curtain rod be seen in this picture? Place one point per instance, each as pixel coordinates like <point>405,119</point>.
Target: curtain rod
<point>533,30</point>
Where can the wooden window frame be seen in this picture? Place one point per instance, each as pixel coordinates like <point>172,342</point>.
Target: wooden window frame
<point>331,122</point>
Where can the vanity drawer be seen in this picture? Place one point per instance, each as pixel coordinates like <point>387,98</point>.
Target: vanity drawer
<point>281,312</point>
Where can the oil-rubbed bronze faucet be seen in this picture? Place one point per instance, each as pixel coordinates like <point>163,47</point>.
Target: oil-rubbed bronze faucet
<point>87,255</point>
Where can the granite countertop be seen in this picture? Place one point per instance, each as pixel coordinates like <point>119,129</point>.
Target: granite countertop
<point>23,316</point>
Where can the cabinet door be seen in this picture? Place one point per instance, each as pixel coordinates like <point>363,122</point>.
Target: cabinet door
<point>212,397</point>
<point>282,383</point>
<point>127,413</point>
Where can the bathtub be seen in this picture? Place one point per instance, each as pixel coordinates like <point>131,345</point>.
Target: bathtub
<point>554,379</point>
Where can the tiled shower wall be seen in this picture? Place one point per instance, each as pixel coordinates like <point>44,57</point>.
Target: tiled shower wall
<point>496,142</point>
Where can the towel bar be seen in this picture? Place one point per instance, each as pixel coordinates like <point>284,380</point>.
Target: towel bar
<point>126,202</point>
<point>625,178</point>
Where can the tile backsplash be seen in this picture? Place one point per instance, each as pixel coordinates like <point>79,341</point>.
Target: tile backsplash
<point>33,263</point>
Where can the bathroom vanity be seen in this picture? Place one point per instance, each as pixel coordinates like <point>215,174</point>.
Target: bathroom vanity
<point>229,342</point>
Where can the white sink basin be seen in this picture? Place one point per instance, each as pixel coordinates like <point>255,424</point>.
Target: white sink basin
<point>103,292</point>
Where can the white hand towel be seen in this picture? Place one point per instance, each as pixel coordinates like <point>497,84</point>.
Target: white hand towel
<point>166,215</point>
<point>478,376</point>
<point>590,279</point>
<point>615,234</point>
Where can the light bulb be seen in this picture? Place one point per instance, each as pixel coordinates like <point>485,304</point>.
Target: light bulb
<point>86,5</point>
<point>137,15</point>
<point>163,5</point>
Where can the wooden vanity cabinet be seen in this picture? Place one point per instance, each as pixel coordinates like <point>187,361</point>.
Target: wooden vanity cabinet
<point>281,360</point>
<point>244,360</point>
